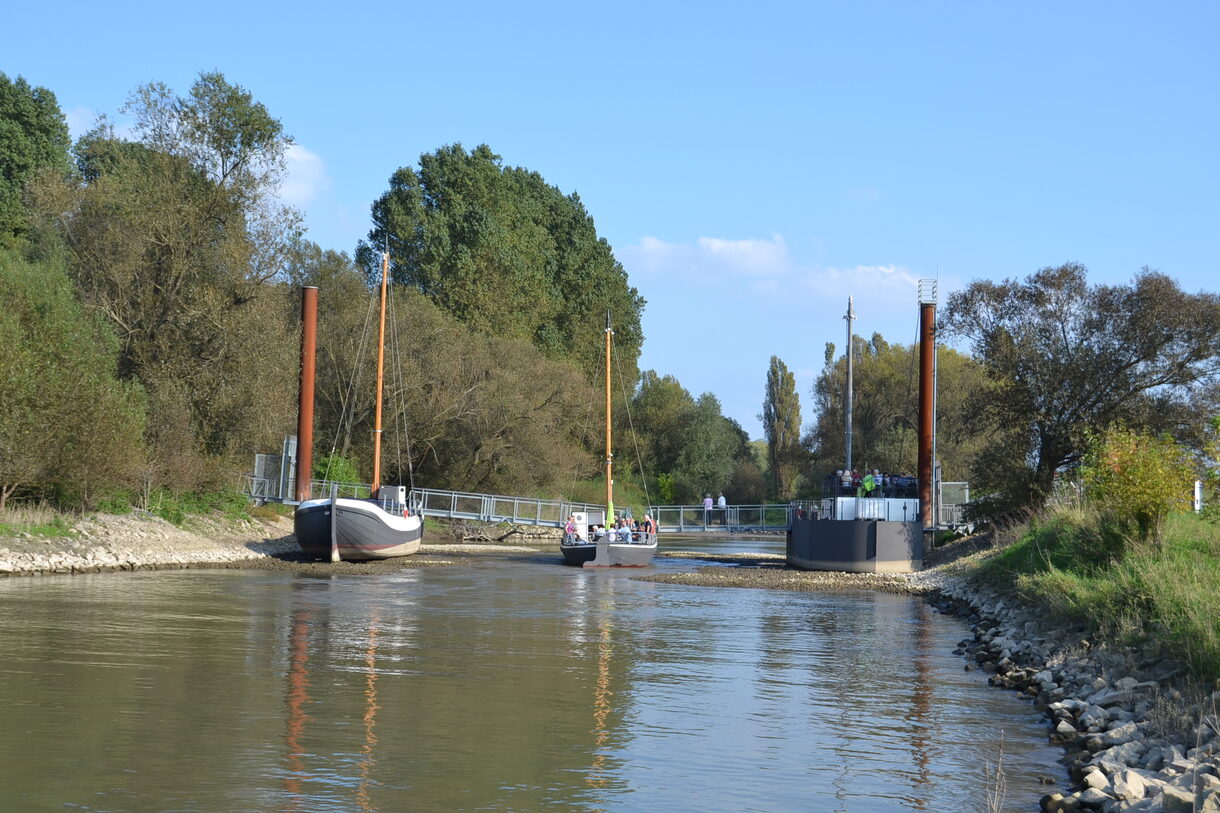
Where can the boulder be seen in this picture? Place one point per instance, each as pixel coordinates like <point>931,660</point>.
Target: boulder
<point>1127,784</point>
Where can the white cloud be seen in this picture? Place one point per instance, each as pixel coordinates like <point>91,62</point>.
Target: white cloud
<point>710,257</point>
<point>306,176</point>
<point>763,257</point>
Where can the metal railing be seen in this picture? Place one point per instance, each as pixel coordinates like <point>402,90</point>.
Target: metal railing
<point>433,502</point>
<point>685,519</point>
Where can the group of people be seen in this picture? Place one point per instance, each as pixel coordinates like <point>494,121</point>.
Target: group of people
<point>721,505</point>
<point>870,483</point>
<point>625,529</point>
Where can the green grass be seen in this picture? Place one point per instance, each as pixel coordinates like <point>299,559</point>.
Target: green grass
<point>178,508</point>
<point>1078,565</point>
<point>35,520</point>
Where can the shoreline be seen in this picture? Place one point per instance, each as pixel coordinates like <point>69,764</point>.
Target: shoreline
<point>1136,736</point>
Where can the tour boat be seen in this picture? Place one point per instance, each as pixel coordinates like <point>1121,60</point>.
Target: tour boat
<point>351,529</point>
<point>610,548</point>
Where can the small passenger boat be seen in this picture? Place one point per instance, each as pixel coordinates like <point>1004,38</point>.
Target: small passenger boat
<point>610,548</point>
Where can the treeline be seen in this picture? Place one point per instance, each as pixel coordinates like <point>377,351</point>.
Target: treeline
<point>151,336</point>
<point>1055,363</point>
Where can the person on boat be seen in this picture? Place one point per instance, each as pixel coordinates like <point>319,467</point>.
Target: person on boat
<point>650,527</point>
<point>569,530</point>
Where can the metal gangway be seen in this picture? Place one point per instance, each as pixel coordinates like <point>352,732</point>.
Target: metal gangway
<point>731,519</point>
<point>432,502</point>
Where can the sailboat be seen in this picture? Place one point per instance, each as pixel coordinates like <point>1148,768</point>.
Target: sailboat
<point>610,547</point>
<point>351,529</point>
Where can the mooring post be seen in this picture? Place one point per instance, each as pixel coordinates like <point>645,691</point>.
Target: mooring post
<point>309,343</point>
<point>927,416</point>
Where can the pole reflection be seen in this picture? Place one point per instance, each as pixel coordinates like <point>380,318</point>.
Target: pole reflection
<point>367,759</point>
<point>298,697</point>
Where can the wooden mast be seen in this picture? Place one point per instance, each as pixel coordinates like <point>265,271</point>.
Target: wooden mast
<point>609,453</point>
<point>309,349</point>
<point>385,273</point>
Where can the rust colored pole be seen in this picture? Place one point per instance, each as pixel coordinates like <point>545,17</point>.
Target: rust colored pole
<point>927,350</point>
<point>309,345</point>
<point>609,452</point>
<point>385,275</point>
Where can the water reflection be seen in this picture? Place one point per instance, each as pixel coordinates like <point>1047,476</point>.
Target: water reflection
<point>509,684</point>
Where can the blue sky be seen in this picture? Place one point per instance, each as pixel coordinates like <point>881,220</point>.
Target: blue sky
<point>751,164</point>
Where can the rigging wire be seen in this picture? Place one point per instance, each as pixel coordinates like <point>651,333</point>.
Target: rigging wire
<point>348,411</point>
<point>402,436</point>
<point>631,424</point>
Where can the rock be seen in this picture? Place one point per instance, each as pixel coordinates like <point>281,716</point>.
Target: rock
<point>1121,734</point>
<point>1095,779</point>
<point>1177,800</point>
<point>1127,784</point>
<point>1094,798</point>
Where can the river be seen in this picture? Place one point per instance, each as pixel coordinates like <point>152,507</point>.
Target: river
<point>514,683</point>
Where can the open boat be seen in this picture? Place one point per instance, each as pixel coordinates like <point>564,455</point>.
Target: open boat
<point>351,529</point>
<point>610,548</point>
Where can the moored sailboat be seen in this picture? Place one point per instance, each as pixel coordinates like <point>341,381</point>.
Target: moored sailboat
<point>351,529</point>
<point>611,547</point>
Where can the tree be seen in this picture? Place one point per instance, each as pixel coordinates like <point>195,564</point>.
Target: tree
<point>33,136</point>
<point>885,417</point>
<point>1066,357</point>
<point>711,446</point>
<point>506,253</point>
<point>175,239</point>
<point>781,419</point>
<point>68,428</point>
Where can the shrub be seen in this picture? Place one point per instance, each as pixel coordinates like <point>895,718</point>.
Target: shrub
<point>336,467</point>
<point>1136,480</point>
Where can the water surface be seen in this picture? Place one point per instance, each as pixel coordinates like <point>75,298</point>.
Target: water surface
<point>512,684</point>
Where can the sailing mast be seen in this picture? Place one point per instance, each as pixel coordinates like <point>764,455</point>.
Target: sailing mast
<point>385,273</point>
<point>609,453</point>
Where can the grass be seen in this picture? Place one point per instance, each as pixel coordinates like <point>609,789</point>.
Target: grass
<point>1082,567</point>
<point>35,520</point>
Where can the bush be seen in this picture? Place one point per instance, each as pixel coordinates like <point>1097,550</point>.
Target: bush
<point>1136,480</point>
<point>337,468</point>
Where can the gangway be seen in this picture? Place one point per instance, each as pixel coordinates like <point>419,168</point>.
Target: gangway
<point>731,519</point>
<point>432,502</point>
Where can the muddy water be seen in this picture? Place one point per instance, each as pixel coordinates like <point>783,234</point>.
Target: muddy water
<point>511,684</point>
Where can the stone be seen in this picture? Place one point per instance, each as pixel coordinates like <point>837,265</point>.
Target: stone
<point>1066,730</point>
<point>1127,784</point>
<point>1095,779</point>
<point>1177,800</point>
<point>1092,797</point>
<point>1121,734</point>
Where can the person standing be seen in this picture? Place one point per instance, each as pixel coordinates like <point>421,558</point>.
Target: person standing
<point>707,509</point>
<point>723,505</point>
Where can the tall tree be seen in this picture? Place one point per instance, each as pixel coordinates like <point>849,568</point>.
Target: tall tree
<point>885,417</point>
<point>506,253</point>
<point>33,136</point>
<point>175,238</point>
<point>68,428</point>
<point>1066,357</point>
<point>781,420</point>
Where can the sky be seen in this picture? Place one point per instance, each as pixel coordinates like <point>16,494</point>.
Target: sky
<point>751,165</point>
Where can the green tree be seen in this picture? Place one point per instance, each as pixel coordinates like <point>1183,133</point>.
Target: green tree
<point>33,136</point>
<point>506,253</point>
<point>69,429</point>
<point>1066,357</point>
<point>781,420</point>
<point>176,239</point>
<point>885,417</point>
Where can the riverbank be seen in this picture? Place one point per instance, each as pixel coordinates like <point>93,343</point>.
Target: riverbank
<point>142,541</point>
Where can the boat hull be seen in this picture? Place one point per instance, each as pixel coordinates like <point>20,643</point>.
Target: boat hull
<point>614,554</point>
<point>862,546</point>
<point>362,530</point>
